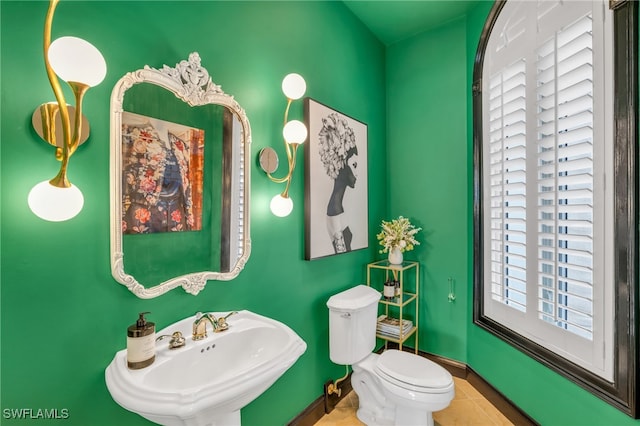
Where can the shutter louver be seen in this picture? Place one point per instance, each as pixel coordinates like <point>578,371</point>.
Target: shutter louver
<point>507,124</point>
<point>565,179</point>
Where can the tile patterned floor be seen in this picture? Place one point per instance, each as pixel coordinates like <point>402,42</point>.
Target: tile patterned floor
<point>468,408</point>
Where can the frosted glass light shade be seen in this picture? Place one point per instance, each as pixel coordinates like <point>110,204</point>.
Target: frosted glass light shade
<point>294,132</point>
<point>294,86</point>
<point>74,59</point>
<point>281,206</point>
<point>55,204</point>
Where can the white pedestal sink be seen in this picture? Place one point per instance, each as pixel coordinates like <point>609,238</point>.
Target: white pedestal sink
<point>206,382</point>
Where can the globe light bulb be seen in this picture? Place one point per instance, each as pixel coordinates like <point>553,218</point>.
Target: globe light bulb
<point>77,60</point>
<point>294,132</point>
<point>55,204</point>
<point>281,206</point>
<point>294,86</point>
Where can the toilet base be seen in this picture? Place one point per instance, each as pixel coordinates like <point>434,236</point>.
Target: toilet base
<point>402,417</point>
<point>379,407</point>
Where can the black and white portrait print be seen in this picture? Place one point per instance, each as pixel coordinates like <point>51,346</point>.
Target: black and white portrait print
<point>336,182</point>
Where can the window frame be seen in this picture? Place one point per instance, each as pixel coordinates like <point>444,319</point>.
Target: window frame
<point>622,392</point>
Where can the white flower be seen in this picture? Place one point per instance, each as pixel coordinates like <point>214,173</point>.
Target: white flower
<point>399,233</point>
<point>335,139</point>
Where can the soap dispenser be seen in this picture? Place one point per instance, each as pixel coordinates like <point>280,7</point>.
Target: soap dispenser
<point>141,343</point>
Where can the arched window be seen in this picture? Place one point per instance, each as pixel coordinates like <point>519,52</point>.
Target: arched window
<point>556,188</point>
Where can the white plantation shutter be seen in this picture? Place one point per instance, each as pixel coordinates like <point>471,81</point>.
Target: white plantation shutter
<point>507,171</point>
<point>565,178</point>
<point>544,188</point>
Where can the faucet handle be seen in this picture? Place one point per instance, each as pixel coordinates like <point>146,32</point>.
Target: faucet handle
<point>222,322</point>
<point>229,314</point>
<point>177,340</point>
<point>222,325</point>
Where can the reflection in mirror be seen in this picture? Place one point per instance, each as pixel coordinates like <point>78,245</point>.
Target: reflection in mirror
<point>179,185</point>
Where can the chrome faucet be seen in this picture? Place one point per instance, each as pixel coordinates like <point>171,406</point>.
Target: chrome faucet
<point>217,324</point>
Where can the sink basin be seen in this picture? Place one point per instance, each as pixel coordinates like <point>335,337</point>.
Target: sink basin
<point>206,382</point>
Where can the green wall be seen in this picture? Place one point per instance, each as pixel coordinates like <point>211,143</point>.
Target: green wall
<point>428,174</point>
<point>63,316</point>
<point>430,163</point>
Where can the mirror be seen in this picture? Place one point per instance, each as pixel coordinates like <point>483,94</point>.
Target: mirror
<point>180,180</point>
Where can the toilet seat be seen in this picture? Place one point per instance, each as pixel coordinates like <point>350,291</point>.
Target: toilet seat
<point>413,372</point>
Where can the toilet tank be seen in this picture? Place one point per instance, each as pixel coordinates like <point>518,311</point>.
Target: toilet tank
<point>352,324</point>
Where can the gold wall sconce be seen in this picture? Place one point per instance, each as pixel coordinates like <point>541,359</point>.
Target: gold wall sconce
<point>82,66</point>
<point>294,134</point>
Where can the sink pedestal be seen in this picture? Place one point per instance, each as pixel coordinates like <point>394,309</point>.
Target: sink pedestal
<point>231,419</point>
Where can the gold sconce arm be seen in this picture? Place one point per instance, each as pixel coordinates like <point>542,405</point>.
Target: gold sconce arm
<point>62,153</point>
<point>79,90</point>
<point>294,133</point>
<point>82,66</point>
<point>70,141</point>
<point>290,149</point>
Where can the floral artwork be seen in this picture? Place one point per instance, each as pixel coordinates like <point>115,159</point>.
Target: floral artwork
<point>335,140</point>
<point>336,208</point>
<point>162,175</point>
<point>398,233</point>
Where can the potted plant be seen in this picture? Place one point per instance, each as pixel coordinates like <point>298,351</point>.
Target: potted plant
<point>396,237</point>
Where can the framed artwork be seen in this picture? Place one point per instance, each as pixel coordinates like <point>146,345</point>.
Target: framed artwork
<point>162,175</point>
<point>336,199</point>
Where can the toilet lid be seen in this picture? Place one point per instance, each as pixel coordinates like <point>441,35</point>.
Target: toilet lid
<point>413,371</point>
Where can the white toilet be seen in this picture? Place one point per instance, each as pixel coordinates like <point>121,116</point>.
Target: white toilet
<point>394,388</point>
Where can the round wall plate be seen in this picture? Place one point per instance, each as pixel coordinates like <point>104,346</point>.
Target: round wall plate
<point>47,122</point>
<point>268,160</point>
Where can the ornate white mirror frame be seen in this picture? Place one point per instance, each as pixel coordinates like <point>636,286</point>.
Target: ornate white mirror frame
<point>191,83</point>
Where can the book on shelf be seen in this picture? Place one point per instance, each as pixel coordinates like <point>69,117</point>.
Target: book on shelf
<point>389,326</point>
